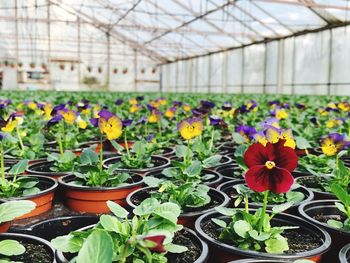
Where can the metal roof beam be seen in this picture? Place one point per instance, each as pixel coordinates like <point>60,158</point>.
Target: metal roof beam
<point>314,5</point>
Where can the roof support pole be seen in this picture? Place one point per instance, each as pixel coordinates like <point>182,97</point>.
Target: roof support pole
<point>280,66</point>
<point>79,53</point>
<point>108,71</point>
<point>330,62</point>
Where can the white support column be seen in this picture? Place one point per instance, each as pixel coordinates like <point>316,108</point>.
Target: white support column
<point>280,66</point>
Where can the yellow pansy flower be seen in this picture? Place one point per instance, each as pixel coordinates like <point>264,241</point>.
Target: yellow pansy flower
<point>191,128</point>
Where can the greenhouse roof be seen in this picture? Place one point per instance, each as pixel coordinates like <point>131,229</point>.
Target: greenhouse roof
<point>168,30</point>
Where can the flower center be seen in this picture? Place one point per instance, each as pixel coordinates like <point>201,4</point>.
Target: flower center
<point>270,164</point>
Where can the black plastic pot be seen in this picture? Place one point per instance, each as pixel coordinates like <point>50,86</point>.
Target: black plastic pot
<point>254,260</point>
<point>344,254</point>
<point>166,152</point>
<point>312,183</point>
<point>213,182</point>
<point>221,252</point>
<point>52,228</point>
<point>43,168</point>
<point>32,240</point>
<point>326,208</point>
<point>228,189</point>
<point>203,257</point>
<point>229,172</point>
<point>159,163</point>
<point>187,218</point>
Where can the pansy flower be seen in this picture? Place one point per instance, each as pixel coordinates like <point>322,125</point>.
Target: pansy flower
<point>186,107</point>
<point>226,106</point>
<point>334,143</point>
<point>334,122</point>
<point>246,131</point>
<point>11,123</point>
<point>170,113</point>
<point>344,106</point>
<point>81,122</point>
<point>69,116</point>
<point>274,122</point>
<point>154,117</point>
<point>273,135</point>
<point>191,128</point>
<point>158,241</point>
<point>118,102</point>
<point>280,113</point>
<point>127,122</point>
<point>162,101</point>
<point>135,108</point>
<point>206,104</point>
<point>109,124</point>
<point>270,167</point>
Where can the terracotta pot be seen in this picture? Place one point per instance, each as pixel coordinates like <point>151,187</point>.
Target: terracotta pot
<point>228,188</point>
<point>159,164</point>
<point>328,209</point>
<point>213,182</point>
<point>93,199</point>
<point>43,199</point>
<point>221,252</point>
<point>29,239</point>
<point>187,218</point>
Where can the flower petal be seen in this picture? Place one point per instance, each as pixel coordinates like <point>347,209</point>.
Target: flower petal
<point>256,154</point>
<point>284,156</point>
<point>257,178</point>
<point>281,180</point>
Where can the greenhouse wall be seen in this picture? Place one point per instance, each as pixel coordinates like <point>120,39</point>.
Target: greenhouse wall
<point>314,63</point>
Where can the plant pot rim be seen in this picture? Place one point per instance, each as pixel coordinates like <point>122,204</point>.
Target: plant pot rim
<point>322,203</point>
<point>153,157</point>
<point>257,260</point>
<point>231,249</point>
<point>212,191</point>
<point>62,181</point>
<point>217,174</point>
<point>342,253</point>
<point>330,195</point>
<point>51,173</point>
<point>52,188</point>
<point>36,239</point>
<point>307,199</point>
<point>202,258</point>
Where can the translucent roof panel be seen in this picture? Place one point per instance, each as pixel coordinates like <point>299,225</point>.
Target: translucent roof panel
<point>161,30</point>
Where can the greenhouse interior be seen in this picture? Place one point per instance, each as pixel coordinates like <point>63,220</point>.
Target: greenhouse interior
<point>174,131</point>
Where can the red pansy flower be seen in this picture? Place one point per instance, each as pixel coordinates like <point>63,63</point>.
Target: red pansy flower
<point>270,167</point>
<point>158,240</point>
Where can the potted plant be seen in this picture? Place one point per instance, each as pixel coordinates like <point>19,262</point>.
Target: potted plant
<point>38,189</point>
<point>244,233</point>
<point>332,215</point>
<point>237,191</point>
<point>137,238</point>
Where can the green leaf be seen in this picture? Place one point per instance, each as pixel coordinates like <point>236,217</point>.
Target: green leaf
<point>340,207</point>
<point>181,151</point>
<point>238,138</point>
<point>117,146</point>
<point>240,150</point>
<point>335,223</point>
<point>152,181</point>
<point>242,228</point>
<point>67,244</point>
<point>194,169</point>
<point>173,248</point>
<point>302,143</point>
<point>98,247</point>
<point>295,196</point>
<point>19,167</point>
<point>262,237</point>
<point>212,161</point>
<point>11,248</point>
<point>117,210</point>
<point>146,207</point>
<point>219,222</point>
<point>89,157</point>
<point>31,191</point>
<point>276,245</point>
<point>110,223</point>
<point>341,194</point>
<point>225,211</point>
<point>169,211</point>
<point>13,209</point>
<point>282,207</point>
<point>170,172</point>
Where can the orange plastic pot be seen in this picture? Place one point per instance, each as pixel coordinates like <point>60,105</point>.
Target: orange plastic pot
<point>43,199</point>
<point>4,227</point>
<point>93,199</point>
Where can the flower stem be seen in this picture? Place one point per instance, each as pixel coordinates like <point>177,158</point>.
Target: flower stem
<point>125,250</point>
<point>246,204</point>
<point>187,159</point>
<point>263,214</point>
<point>2,163</point>
<point>60,145</point>
<point>126,145</point>
<point>101,154</point>
<point>160,128</point>
<point>20,139</point>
